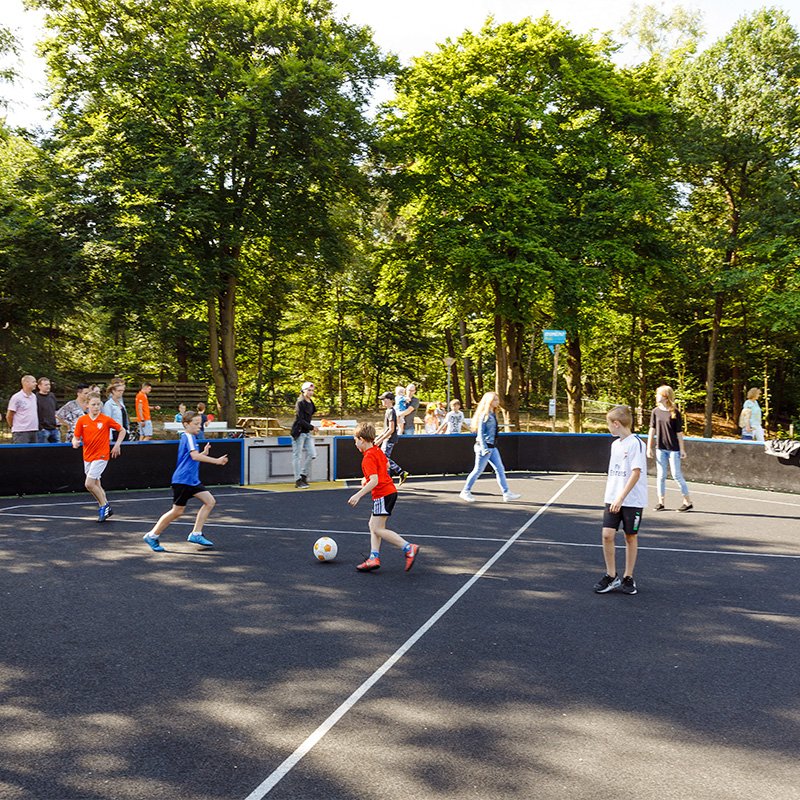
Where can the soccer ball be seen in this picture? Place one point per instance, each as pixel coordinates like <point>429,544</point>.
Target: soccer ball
<point>325,549</point>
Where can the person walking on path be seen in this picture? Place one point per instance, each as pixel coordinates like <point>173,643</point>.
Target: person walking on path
<point>666,431</point>
<point>186,484</point>
<point>68,413</point>
<point>114,407</point>
<point>388,438</point>
<point>302,433</point>
<point>384,496</point>
<point>751,414</point>
<point>92,429</point>
<point>484,423</point>
<point>46,403</point>
<point>23,413</point>
<point>625,497</point>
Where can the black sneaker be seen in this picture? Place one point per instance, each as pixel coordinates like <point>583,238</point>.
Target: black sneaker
<point>403,476</point>
<point>686,507</point>
<point>300,484</point>
<point>607,584</point>
<point>659,507</point>
<point>628,585</point>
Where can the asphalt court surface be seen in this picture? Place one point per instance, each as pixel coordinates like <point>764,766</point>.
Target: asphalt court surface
<point>490,670</point>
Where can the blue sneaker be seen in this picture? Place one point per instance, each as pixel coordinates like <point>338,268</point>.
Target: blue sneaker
<point>198,538</point>
<point>153,542</point>
<point>104,513</point>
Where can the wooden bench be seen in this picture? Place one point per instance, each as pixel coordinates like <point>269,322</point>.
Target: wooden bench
<point>262,426</point>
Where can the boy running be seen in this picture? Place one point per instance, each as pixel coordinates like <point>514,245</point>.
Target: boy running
<point>384,496</point>
<point>94,429</point>
<point>626,496</point>
<point>186,484</point>
<point>388,439</point>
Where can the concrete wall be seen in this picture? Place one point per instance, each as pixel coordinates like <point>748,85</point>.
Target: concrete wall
<point>722,461</point>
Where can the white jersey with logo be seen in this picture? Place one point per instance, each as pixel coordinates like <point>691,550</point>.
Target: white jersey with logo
<point>627,455</point>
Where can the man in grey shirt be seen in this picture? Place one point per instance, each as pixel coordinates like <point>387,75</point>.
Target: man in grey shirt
<point>406,418</point>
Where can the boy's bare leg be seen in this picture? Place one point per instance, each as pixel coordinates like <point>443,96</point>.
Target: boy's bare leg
<point>631,550</point>
<point>378,531</point>
<point>609,534</point>
<point>165,519</point>
<point>208,501</point>
<point>95,488</point>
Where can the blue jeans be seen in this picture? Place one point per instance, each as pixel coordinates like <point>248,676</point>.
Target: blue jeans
<point>492,458</point>
<point>673,457</point>
<point>48,437</point>
<point>303,451</point>
<point>394,467</point>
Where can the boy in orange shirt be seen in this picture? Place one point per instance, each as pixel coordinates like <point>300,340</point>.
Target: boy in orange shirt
<point>93,429</point>
<point>384,496</point>
<point>143,413</point>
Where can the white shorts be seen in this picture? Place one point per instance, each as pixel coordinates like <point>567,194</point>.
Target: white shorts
<point>94,469</point>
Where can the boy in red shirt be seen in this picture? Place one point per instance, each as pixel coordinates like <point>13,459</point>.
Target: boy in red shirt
<point>93,429</point>
<point>384,496</point>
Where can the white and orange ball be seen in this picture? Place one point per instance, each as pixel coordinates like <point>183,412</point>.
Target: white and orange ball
<point>325,549</point>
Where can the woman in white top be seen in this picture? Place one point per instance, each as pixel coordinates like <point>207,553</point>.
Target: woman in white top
<point>753,420</point>
<point>114,407</point>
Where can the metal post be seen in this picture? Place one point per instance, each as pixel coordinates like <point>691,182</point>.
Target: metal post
<point>555,379</point>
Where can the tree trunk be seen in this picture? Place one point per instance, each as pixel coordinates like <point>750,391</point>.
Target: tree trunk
<point>711,367</point>
<point>574,384</point>
<point>469,380</point>
<point>222,349</point>
<point>451,352</point>
<point>738,394</point>
<point>182,357</point>
<point>509,344</point>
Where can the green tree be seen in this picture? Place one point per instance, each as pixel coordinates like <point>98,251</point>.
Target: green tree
<point>208,127</point>
<point>525,177</point>
<point>740,150</point>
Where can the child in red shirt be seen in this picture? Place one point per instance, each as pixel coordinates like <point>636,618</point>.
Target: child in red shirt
<point>93,429</point>
<point>384,496</point>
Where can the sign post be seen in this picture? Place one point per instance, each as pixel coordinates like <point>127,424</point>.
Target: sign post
<point>554,340</point>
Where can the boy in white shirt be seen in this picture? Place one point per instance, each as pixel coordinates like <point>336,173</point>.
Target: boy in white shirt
<point>625,497</point>
<point>454,419</point>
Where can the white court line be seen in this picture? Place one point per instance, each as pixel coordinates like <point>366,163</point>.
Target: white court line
<point>286,767</point>
<point>493,539</point>
<point>165,496</point>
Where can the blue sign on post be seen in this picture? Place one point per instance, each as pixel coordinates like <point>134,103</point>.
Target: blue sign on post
<point>555,337</point>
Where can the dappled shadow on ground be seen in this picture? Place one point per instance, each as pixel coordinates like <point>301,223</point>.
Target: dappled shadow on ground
<point>192,674</point>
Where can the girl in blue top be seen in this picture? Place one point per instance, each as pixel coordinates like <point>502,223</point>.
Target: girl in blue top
<point>186,484</point>
<point>484,423</point>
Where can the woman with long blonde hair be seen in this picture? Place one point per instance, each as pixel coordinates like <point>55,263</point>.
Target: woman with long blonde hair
<point>666,428</point>
<point>484,423</point>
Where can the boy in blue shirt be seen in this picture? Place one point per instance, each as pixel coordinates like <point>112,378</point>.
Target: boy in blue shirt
<point>186,484</point>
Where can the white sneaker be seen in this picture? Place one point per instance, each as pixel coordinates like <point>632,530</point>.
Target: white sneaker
<point>510,496</point>
<point>465,495</point>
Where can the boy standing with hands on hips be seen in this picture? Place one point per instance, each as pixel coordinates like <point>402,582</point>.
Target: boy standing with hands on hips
<point>384,495</point>
<point>626,496</point>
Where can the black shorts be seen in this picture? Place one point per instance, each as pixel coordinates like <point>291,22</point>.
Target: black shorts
<point>629,516</point>
<point>182,493</point>
<point>382,506</point>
